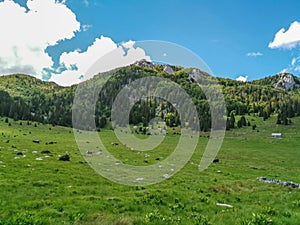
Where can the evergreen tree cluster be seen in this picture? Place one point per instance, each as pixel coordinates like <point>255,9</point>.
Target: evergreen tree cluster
<point>27,98</point>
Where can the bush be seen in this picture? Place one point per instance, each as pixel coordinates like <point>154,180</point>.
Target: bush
<point>258,219</point>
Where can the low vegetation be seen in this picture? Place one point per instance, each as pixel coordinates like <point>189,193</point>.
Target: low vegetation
<point>38,188</point>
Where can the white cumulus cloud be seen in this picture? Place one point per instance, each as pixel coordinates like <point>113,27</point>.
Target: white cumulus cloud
<point>242,78</point>
<point>287,39</point>
<point>294,66</point>
<point>104,49</point>
<point>27,32</point>
<point>254,54</point>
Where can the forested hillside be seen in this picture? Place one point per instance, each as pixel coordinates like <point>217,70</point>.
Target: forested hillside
<point>27,98</point>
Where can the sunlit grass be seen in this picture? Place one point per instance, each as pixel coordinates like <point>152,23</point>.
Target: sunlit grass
<point>50,191</point>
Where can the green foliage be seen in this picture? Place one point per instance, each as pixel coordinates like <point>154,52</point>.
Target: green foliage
<point>50,192</point>
<point>24,218</point>
<point>57,192</point>
<point>258,219</point>
<point>27,98</point>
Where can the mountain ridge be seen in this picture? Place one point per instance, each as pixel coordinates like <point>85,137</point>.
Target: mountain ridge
<point>267,80</point>
<point>28,98</point>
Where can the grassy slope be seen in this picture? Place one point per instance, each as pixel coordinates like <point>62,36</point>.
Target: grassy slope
<point>56,192</point>
<point>22,85</point>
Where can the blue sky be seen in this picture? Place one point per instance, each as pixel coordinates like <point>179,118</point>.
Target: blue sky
<point>233,37</point>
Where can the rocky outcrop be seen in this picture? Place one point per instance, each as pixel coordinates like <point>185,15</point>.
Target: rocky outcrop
<point>168,69</point>
<point>285,82</point>
<point>275,181</point>
<point>145,63</point>
<point>195,74</point>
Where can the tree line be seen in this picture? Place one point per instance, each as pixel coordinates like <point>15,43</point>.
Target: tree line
<point>26,98</point>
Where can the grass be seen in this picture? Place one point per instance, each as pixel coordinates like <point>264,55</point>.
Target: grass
<point>50,191</point>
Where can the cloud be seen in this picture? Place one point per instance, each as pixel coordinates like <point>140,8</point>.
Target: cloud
<point>26,32</point>
<point>294,60</point>
<point>293,67</point>
<point>242,78</point>
<point>254,54</point>
<point>86,27</point>
<point>287,39</point>
<point>297,69</point>
<point>77,63</point>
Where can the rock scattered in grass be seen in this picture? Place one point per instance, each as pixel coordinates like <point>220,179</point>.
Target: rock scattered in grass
<point>45,152</point>
<point>89,153</point>
<point>114,144</point>
<point>65,157</point>
<point>39,159</point>
<point>51,143</point>
<point>274,181</point>
<point>166,176</point>
<point>216,160</point>
<point>139,179</point>
<point>224,205</point>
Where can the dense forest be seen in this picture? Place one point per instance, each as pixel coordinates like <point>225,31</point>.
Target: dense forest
<point>23,97</point>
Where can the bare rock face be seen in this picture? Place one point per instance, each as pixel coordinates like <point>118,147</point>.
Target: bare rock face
<point>144,63</point>
<point>195,74</point>
<point>168,69</point>
<point>285,82</point>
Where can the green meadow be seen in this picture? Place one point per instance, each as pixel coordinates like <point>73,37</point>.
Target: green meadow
<point>37,188</point>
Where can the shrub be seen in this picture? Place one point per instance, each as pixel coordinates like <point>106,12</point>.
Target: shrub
<point>258,219</point>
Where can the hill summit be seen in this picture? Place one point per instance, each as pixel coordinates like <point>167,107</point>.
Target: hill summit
<point>286,81</point>
<point>24,97</point>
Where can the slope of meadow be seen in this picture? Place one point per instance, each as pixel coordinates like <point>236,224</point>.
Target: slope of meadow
<point>50,191</point>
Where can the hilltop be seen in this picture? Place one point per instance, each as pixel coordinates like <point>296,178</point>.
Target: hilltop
<point>28,98</point>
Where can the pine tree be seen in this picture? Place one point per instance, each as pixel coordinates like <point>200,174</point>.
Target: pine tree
<point>232,120</point>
